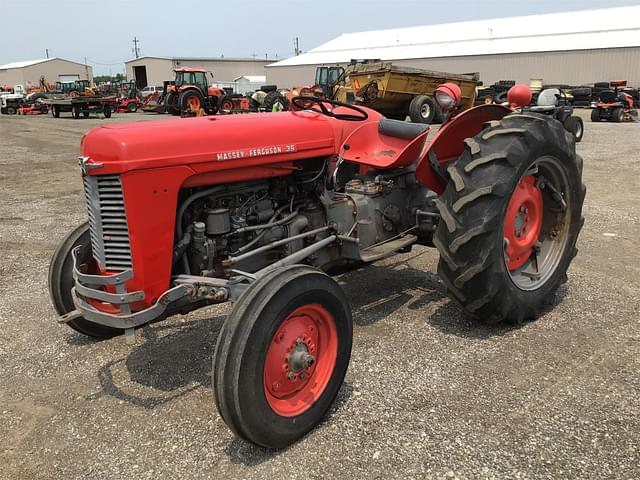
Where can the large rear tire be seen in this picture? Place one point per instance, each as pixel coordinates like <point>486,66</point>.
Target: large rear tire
<point>617,115</point>
<point>190,101</point>
<point>422,109</point>
<point>282,355</point>
<point>61,282</point>
<point>274,101</point>
<point>510,218</point>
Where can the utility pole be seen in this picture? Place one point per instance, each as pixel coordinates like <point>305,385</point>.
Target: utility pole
<point>297,47</point>
<point>136,49</point>
<point>47,50</point>
<point>86,68</point>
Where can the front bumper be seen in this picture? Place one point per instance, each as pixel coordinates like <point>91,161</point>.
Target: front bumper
<point>90,288</point>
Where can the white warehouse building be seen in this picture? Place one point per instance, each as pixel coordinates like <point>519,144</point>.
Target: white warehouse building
<point>572,48</point>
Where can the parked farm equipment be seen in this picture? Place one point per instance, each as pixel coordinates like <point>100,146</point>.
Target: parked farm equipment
<point>554,102</point>
<point>398,92</point>
<point>614,105</point>
<point>256,208</point>
<point>83,106</point>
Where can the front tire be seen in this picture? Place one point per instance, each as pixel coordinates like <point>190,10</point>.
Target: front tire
<point>575,125</point>
<point>595,115</point>
<point>61,282</point>
<point>282,355</point>
<point>171,103</point>
<point>510,218</point>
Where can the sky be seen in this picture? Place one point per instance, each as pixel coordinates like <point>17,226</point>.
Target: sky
<point>103,31</point>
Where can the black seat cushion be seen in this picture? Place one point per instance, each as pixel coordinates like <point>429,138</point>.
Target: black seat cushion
<point>400,129</point>
<point>608,96</point>
<point>543,109</point>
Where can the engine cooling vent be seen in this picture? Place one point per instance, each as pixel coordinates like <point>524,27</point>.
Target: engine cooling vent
<point>108,222</point>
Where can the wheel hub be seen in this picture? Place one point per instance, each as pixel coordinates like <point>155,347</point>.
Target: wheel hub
<point>300,359</point>
<point>523,222</point>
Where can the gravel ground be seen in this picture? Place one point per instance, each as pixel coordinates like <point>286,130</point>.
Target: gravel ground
<point>427,395</point>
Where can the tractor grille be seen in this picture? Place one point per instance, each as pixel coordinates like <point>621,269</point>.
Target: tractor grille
<point>108,222</point>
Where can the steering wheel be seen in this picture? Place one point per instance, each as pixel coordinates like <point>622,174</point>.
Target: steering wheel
<point>305,102</point>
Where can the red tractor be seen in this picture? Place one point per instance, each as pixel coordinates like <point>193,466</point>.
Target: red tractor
<point>614,105</point>
<point>258,209</point>
<point>190,92</point>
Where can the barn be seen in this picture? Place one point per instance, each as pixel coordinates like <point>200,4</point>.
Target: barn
<point>28,73</point>
<point>572,48</point>
<point>154,70</point>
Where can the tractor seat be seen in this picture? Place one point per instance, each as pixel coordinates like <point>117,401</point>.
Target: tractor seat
<point>400,129</point>
<point>543,109</point>
<point>608,96</point>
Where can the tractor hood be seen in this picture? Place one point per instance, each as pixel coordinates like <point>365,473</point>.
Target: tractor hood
<point>217,142</point>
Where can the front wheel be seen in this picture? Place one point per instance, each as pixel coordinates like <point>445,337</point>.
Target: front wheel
<point>595,115</point>
<point>61,282</point>
<point>575,125</point>
<point>171,103</point>
<point>510,218</point>
<point>282,356</point>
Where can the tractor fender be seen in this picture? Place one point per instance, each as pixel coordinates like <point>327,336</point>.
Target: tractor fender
<point>448,144</point>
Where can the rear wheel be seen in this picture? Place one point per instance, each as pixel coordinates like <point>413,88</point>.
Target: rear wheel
<point>282,355</point>
<point>617,115</point>
<point>422,109</point>
<point>11,110</point>
<point>76,111</point>
<point>510,218</point>
<point>225,105</point>
<point>132,107</point>
<point>595,115</point>
<point>55,111</point>
<point>190,101</point>
<point>61,282</point>
<point>274,101</point>
<point>107,110</point>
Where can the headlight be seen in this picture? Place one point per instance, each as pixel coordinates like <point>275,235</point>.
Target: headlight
<point>445,101</point>
<point>448,96</point>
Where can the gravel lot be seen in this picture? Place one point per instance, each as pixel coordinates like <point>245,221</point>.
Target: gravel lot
<point>427,395</point>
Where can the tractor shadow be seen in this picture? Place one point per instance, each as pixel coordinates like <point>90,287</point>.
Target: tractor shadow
<point>170,362</point>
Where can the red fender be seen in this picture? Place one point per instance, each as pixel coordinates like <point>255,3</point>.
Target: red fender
<point>448,144</point>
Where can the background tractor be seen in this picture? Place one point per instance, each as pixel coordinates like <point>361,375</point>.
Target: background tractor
<point>614,105</point>
<point>260,209</point>
<point>190,92</point>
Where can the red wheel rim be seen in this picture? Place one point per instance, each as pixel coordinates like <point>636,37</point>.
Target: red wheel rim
<point>523,222</point>
<point>300,360</point>
<point>194,103</point>
<point>227,105</point>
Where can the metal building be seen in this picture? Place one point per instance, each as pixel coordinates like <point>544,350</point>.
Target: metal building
<point>28,73</point>
<point>154,70</point>
<point>573,48</point>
